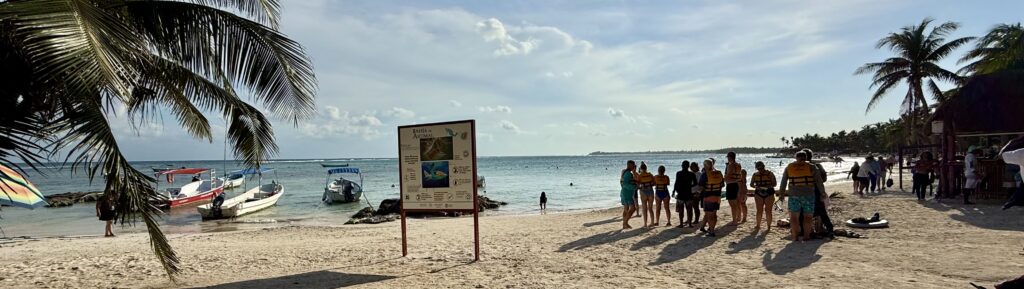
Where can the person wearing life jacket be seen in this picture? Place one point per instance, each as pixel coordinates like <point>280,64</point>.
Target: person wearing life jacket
<point>801,179</point>
<point>711,183</point>
<point>628,183</point>
<point>661,182</point>
<point>646,182</point>
<point>732,187</point>
<point>821,198</point>
<point>763,182</point>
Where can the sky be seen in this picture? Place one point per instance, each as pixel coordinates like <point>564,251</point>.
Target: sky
<point>573,77</point>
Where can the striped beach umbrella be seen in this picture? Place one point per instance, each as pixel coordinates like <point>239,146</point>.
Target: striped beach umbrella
<point>15,190</point>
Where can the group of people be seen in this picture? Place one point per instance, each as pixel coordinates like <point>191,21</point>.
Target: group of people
<point>698,189</point>
<point>870,175</point>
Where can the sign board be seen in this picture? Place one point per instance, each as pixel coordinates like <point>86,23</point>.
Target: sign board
<point>438,166</point>
<point>937,127</point>
<point>437,172</point>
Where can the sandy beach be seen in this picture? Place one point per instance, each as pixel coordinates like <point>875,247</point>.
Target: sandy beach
<point>930,245</point>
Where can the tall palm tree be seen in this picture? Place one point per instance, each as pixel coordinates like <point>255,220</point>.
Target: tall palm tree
<point>918,51</point>
<point>1001,49</point>
<point>67,66</point>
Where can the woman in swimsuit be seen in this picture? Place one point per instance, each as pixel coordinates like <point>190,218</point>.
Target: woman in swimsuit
<point>661,182</point>
<point>763,183</point>
<point>628,183</point>
<point>742,198</point>
<point>646,182</point>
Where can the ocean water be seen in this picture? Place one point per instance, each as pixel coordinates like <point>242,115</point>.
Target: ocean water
<point>516,180</point>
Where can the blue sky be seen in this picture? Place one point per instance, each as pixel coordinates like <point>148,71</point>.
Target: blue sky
<point>571,77</point>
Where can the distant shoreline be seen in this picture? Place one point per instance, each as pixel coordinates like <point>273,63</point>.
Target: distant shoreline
<point>739,150</point>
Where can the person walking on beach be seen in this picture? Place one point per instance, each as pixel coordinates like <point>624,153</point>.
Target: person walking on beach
<point>661,182</point>
<point>628,183</point>
<point>923,169</point>
<point>864,176</point>
<point>1013,153</point>
<point>683,191</point>
<point>646,182</point>
<point>763,182</point>
<point>883,168</point>
<point>820,196</point>
<point>732,186</point>
<point>105,211</point>
<point>873,170</point>
<point>853,175</point>
<point>802,178</point>
<point>711,183</point>
<point>543,202</point>
<point>971,172</point>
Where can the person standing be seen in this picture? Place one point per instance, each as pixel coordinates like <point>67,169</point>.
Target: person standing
<point>628,183</point>
<point>1013,154</point>
<point>873,170</point>
<point>543,202</point>
<point>106,211</point>
<point>646,182</point>
<point>802,178</point>
<point>864,176</point>
<point>883,167</point>
<point>696,202</point>
<point>732,186</point>
<point>763,182</point>
<point>820,196</point>
<point>683,191</point>
<point>971,173</point>
<point>661,182</point>
<point>853,175</point>
<point>711,183</point>
<point>742,200</point>
<point>923,169</point>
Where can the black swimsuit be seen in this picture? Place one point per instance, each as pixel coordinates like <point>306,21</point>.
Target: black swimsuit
<point>764,193</point>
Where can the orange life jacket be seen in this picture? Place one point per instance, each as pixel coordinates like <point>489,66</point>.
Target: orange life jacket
<point>764,180</point>
<point>800,174</point>
<point>661,182</point>
<point>715,180</point>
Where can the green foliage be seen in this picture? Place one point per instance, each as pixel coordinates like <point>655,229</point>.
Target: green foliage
<point>739,150</point>
<point>1001,49</point>
<point>67,66</point>
<point>872,138</point>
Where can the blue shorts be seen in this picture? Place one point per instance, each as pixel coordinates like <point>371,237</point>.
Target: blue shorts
<point>801,204</point>
<point>662,194</point>
<point>648,192</point>
<point>627,197</point>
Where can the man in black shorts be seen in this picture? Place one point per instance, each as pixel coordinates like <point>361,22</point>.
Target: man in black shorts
<point>819,196</point>
<point>733,176</point>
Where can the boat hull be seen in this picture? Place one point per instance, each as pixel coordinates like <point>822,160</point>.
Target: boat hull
<point>251,201</point>
<point>335,197</point>
<point>233,183</point>
<point>201,198</point>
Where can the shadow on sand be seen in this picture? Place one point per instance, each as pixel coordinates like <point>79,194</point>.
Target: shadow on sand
<point>598,223</point>
<point>315,280</point>
<point>660,237</point>
<point>602,238</point>
<point>749,242</point>
<point>689,245</point>
<point>986,214</point>
<point>794,256</point>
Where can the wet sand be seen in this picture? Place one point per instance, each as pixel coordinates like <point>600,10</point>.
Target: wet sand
<point>930,245</point>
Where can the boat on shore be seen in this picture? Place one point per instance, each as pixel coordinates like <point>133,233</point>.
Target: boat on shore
<point>258,198</point>
<point>334,165</point>
<point>198,191</point>
<point>234,180</point>
<point>342,190</point>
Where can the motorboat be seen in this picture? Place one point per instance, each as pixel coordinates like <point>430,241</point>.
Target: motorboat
<point>234,180</point>
<point>258,198</point>
<point>333,165</point>
<point>199,190</point>
<point>342,190</point>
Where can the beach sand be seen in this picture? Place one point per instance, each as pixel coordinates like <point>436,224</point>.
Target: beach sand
<point>929,245</point>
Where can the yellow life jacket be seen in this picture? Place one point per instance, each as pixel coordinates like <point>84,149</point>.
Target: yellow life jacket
<point>737,171</point>
<point>661,182</point>
<point>645,179</point>
<point>764,180</point>
<point>800,174</point>
<point>715,180</point>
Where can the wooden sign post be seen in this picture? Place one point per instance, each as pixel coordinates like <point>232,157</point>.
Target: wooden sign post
<point>437,172</point>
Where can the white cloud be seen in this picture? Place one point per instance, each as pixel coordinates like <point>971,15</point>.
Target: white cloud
<point>508,125</point>
<point>398,112</point>
<point>620,114</point>
<point>500,108</point>
<point>493,30</point>
<point>339,123</point>
<point>455,103</point>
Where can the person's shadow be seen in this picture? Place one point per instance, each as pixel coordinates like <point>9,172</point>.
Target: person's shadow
<point>689,245</point>
<point>794,256</point>
<point>602,238</point>
<point>749,242</point>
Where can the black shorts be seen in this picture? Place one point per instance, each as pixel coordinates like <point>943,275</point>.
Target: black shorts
<point>732,191</point>
<point>711,207</point>
<point>864,181</point>
<point>765,192</point>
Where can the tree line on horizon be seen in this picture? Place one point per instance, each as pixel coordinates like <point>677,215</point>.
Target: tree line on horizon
<point>739,150</point>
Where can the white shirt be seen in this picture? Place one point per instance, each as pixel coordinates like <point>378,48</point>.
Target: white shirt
<point>865,170</point>
<point>1014,157</point>
<point>970,165</point>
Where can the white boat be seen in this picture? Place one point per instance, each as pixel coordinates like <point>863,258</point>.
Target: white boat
<point>481,182</point>
<point>234,180</point>
<point>342,190</point>
<point>255,199</point>
<point>197,191</point>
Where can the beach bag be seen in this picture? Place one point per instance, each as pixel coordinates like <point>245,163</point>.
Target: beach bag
<point>888,183</point>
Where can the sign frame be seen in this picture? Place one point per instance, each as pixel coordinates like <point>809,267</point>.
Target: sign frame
<point>476,203</point>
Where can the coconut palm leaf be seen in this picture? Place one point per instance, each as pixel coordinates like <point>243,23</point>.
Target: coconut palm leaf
<point>1001,49</point>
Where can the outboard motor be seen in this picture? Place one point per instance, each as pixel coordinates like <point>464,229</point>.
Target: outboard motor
<point>347,192</point>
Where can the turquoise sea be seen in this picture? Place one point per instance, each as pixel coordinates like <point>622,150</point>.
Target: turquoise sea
<point>516,180</point>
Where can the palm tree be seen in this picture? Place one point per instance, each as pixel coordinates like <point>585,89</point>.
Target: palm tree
<point>918,51</point>
<point>67,66</point>
<point>1001,49</point>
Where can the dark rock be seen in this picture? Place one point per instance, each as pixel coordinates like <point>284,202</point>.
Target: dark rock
<point>389,206</point>
<point>90,197</point>
<point>60,202</point>
<point>364,213</point>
